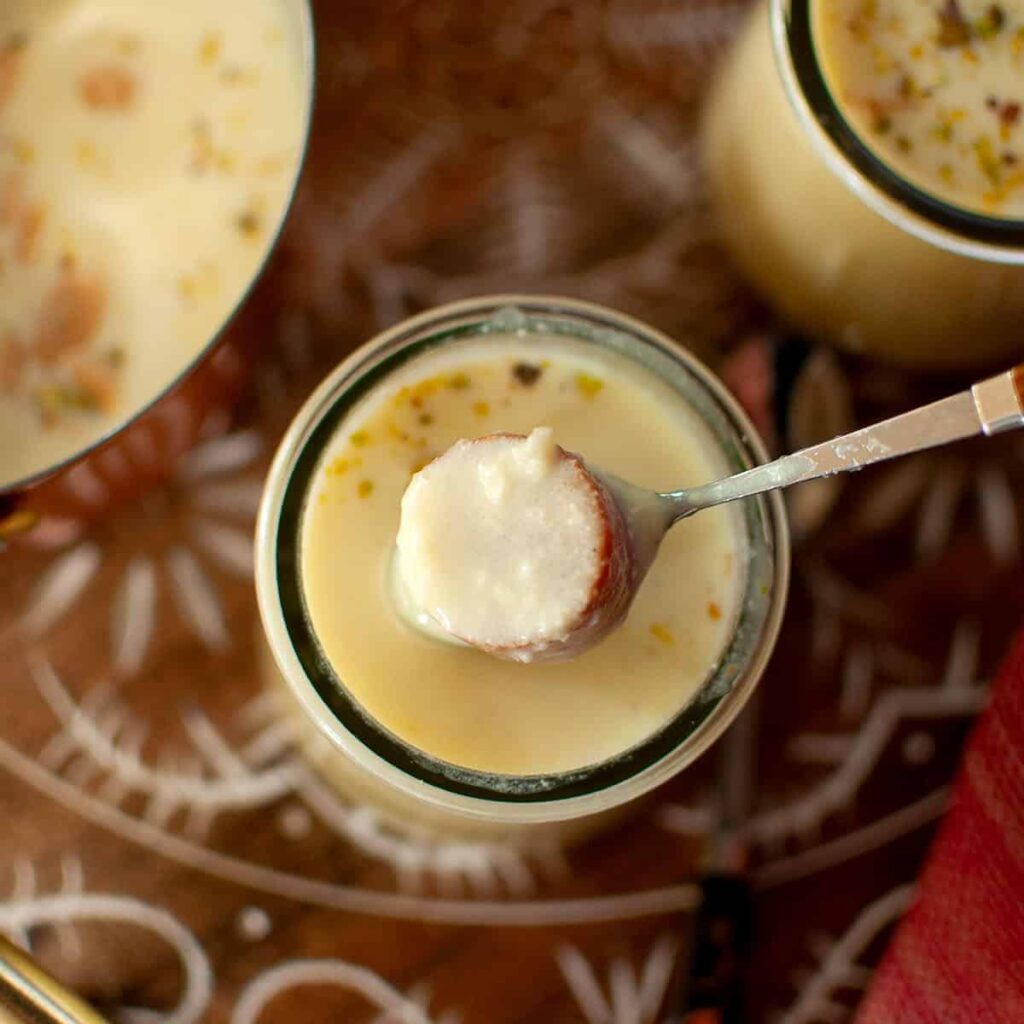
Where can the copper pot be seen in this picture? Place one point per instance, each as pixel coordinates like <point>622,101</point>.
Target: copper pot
<point>50,507</point>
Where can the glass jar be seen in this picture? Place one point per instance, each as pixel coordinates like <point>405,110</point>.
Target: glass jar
<point>845,248</point>
<point>411,788</point>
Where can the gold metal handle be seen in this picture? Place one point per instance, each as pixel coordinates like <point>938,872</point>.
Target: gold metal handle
<point>28,995</point>
<point>1000,401</point>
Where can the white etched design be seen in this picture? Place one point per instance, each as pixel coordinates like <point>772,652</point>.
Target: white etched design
<point>222,455</point>
<point>807,814</point>
<point>938,512</point>
<point>235,870</point>
<point>105,732</point>
<point>697,31</point>
<point>394,1007</point>
<point>26,910</point>
<point>60,587</point>
<point>839,967</point>
<point>197,600</point>
<point>997,510</point>
<point>455,868</point>
<point>219,485</point>
<point>253,924</point>
<point>853,758</point>
<point>627,995</point>
<point>134,616</point>
<point>853,844</point>
<point>669,168</point>
<point>102,733</point>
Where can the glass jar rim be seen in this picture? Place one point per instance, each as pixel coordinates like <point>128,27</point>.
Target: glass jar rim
<point>338,716</point>
<point>871,179</point>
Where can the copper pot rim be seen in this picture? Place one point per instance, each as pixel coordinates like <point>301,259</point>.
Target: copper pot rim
<point>23,485</point>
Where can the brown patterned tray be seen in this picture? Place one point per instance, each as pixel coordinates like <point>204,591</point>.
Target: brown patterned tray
<point>167,853</point>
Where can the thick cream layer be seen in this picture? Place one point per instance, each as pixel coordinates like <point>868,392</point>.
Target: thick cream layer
<point>501,541</point>
<point>462,705</point>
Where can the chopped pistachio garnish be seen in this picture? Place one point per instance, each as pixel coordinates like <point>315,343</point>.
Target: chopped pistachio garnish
<point>341,465</point>
<point>13,359</point>
<point>128,45</point>
<point>920,83</point>
<point>56,400</point>
<point>991,23</point>
<point>365,488</point>
<point>587,385</point>
<point>249,223</point>
<point>360,439</point>
<point>988,162</point>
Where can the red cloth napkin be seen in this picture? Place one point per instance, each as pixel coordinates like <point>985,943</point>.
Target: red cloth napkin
<point>958,955</point>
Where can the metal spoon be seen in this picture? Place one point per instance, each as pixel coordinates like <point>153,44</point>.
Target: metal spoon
<point>635,520</point>
<point>990,407</point>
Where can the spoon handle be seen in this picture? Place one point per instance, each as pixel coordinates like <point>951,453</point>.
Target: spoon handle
<point>992,406</point>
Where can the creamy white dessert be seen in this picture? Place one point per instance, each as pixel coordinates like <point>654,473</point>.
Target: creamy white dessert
<point>512,545</point>
<point>935,89</point>
<point>459,704</point>
<point>833,266</point>
<point>147,153</point>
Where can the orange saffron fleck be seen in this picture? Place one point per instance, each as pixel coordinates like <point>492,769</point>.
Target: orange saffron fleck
<point>714,610</point>
<point>30,227</point>
<point>662,633</point>
<point>11,59</point>
<point>12,362</point>
<point>11,197</point>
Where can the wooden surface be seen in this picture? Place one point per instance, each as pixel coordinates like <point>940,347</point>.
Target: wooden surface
<point>162,849</point>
